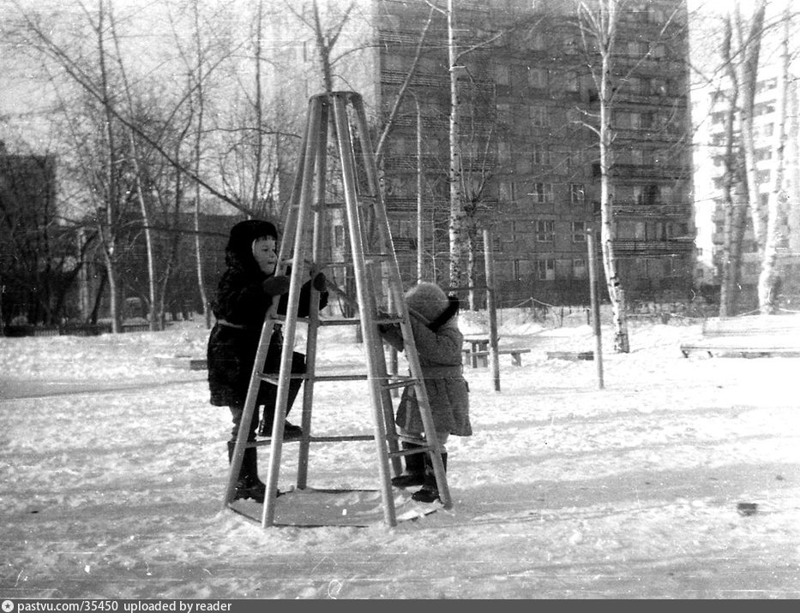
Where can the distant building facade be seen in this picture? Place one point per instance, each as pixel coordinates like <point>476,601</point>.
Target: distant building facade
<point>711,142</point>
<point>28,237</point>
<point>530,164</point>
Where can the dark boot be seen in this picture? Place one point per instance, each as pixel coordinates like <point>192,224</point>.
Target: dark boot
<point>290,431</point>
<point>429,491</point>
<point>415,468</point>
<point>268,414</point>
<point>248,486</point>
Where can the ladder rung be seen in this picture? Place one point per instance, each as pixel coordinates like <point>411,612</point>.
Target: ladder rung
<point>403,452</point>
<point>340,321</point>
<point>397,383</point>
<point>271,377</point>
<point>274,380</point>
<point>351,321</point>
<point>316,439</point>
<point>350,377</point>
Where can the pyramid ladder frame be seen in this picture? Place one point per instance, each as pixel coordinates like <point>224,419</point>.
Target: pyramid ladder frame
<point>308,200</point>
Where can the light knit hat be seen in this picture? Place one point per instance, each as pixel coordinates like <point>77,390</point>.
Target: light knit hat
<point>427,299</point>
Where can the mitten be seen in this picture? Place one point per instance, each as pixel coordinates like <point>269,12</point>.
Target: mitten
<point>320,282</point>
<point>275,286</point>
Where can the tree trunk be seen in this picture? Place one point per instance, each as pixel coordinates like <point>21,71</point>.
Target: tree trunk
<point>109,235</point>
<point>616,292</point>
<point>768,279</point>
<point>749,47</point>
<point>456,226</point>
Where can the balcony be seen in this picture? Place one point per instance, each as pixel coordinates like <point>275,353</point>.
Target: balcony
<point>653,211</point>
<point>633,247</point>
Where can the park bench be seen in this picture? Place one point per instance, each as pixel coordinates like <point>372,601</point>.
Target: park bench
<point>184,362</point>
<point>749,336</point>
<point>477,354</point>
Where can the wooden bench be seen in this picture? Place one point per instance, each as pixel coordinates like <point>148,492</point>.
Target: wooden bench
<point>182,361</point>
<point>753,336</point>
<point>570,355</point>
<point>482,356</point>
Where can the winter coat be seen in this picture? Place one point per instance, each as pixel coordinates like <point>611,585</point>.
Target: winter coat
<point>439,351</point>
<point>240,305</point>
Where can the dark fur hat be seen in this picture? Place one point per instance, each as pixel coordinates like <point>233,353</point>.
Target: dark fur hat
<point>243,234</point>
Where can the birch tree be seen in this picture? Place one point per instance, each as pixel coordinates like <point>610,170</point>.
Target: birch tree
<point>599,28</point>
<point>778,196</point>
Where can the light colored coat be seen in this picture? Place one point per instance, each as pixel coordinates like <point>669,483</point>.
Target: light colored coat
<point>439,354</point>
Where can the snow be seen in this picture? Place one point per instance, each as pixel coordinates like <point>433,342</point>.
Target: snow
<point>114,469</point>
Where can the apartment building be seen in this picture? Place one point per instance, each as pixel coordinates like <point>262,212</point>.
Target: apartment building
<point>528,104</point>
<point>713,107</point>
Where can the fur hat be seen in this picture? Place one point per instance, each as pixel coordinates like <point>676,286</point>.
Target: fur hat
<point>427,299</point>
<point>240,241</point>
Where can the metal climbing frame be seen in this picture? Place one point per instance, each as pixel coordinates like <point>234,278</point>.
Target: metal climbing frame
<point>376,272</point>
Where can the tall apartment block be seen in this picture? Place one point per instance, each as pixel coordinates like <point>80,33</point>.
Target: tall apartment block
<point>531,171</point>
<point>711,139</point>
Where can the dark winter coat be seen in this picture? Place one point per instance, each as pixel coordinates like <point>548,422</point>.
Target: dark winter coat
<point>240,305</point>
<point>439,349</point>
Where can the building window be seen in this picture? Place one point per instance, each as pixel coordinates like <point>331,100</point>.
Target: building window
<point>577,195</point>
<point>501,74</point>
<point>578,231</point>
<point>659,51</point>
<point>571,83</point>
<point>655,15</point>
<point>630,121</point>
<point>659,87</point>
<point>338,236</point>
<point>504,113</point>
<point>575,159</point>
<point>541,155</point>
<point>506,190</point>
<point>542,192</point>
<point>545,232</point>
<point>538,116</point>
<point>763,154</point>
<point>537,78</point>
<point>637,49</point>
<point>394,62</point>
<point>504,152</point>
<point>571,45</point>
<point>579,268</point>
<point>546,270</point>
<point>536,40</point>
<point>636,85</point>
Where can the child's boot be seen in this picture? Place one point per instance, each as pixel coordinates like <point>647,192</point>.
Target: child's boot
<point>248,486</point>
<point>415,468</point>
<point>429,491</point>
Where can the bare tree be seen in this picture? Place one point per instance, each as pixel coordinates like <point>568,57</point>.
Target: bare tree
<point>778,196</point>
<point>598,24</point>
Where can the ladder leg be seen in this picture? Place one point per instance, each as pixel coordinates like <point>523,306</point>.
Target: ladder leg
<point>313,325</point>
<point>395,285</point>
<point>290,324</point>
<point>371,339</point>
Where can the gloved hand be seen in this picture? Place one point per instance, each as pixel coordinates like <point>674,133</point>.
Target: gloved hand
<point>319,282</point>
<point>275,286</point>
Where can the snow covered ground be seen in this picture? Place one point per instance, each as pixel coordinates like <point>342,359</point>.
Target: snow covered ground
<point>112,473</point>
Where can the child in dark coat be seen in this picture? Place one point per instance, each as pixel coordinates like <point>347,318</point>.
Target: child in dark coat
<point>245,292</point>
<point>438,339</point>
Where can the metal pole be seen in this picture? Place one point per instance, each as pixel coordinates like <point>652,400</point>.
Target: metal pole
<point>420,229</point>
<point>492,308</point>
<point>593,295</point>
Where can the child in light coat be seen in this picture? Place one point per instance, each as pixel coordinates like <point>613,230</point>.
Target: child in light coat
<point>438,339</point>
